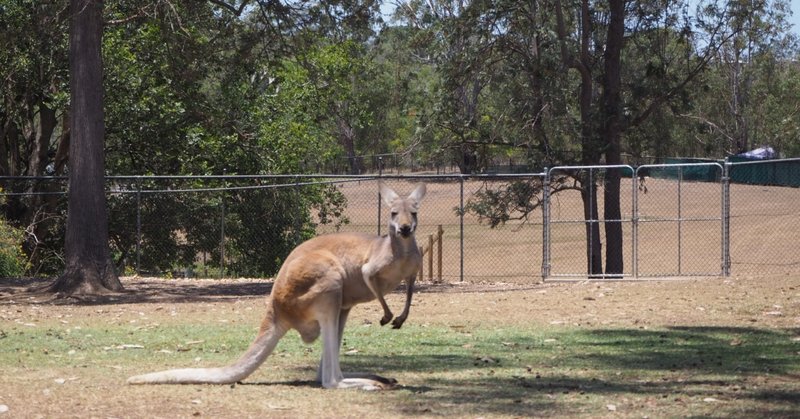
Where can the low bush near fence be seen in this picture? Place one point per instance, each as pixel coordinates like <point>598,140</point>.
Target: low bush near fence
<point>13,261</point>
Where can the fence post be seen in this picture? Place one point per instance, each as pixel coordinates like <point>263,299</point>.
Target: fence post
<point>222,232</point>
<point>421,275</point>
<point>592,204</point>
<point>726,218</point>
<point>680,222</point>
<point>430,257</point>
<point>440,233</point>
<point>461,226</point>
<point>546,225</point>
<point>635,223</point>
<point>380,201</point>
<point>138,223</point>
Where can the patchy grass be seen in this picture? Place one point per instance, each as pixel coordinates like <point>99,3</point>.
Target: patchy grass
<point>566,350</point>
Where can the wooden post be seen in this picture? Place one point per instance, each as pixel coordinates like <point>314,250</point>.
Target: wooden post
<point>439,234</point>
<point>430,257</point>
<point>421,265</point>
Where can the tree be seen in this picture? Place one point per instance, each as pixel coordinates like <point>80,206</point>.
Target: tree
<point>34,133</point>
<point>250,86</point>
<point>184,87</point>
<point>89,268</point>
<point>461,54</point>
<point>748,100</point>
<point>627,60</point>
<point>612,131</point>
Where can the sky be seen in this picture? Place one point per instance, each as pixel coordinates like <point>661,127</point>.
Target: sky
<point>795,18</point>
<point>387,8</point>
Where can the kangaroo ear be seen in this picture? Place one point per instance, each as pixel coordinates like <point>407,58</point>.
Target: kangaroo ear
<point>387,193</point>
<point>418,193</point>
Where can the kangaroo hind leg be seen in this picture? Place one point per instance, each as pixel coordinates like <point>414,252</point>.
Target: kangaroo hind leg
<point>332,322</point>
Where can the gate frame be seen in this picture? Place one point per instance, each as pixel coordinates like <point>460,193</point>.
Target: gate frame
<point>547,219</point>
<point>724,219</point>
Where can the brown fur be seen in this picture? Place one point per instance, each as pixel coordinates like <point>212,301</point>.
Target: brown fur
<point>317,286</point>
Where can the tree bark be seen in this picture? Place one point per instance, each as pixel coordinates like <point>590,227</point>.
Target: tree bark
<point>6,130</point>
<point>41,144</point>
<point>62,151</point>
<point>590,154</point>
<point>89,268</point>
<point>612,130</point>
<point>594,257</point>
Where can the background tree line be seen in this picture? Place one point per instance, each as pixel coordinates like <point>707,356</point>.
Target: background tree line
<point>271,87</point>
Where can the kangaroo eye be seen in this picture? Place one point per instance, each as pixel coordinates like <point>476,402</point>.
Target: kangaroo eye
<point>394,213</point>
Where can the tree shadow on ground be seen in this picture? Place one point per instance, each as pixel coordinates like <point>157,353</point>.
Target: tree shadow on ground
<point>160,291</point>
<point>706,349</point>
<point>139,291</point>
<point>750,372</point>
<point>756,368</point>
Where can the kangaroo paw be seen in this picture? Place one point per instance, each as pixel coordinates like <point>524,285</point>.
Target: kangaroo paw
<point>398,322</point>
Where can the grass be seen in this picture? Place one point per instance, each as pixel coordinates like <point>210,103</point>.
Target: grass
<point>457,370</point>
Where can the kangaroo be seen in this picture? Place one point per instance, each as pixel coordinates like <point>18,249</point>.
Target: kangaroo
<point>317,286</point>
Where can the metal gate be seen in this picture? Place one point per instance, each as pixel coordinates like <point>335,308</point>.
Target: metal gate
<point>672,219</point>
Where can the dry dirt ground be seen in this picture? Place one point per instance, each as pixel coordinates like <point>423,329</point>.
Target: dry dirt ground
<point>33,391</point>
<point>772,301</point>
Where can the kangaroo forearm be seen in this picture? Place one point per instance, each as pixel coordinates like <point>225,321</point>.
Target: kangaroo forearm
<point>398,322</point>
<point>387,313</point>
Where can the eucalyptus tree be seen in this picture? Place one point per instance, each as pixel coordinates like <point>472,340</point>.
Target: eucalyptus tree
<point>459,54</point>
<point>608,56</point>
<point>249,91</point>
<point>183,82</point>
<point>34,122</point>
<point>751,85</point>
<point>89,268</point>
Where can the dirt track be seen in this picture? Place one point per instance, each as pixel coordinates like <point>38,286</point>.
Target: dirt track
<point>764,301</point>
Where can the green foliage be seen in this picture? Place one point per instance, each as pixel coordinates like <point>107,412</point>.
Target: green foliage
<point>33,57</point>
<point>743,99</point>
<point>13,261</point>
<point>499,204</point>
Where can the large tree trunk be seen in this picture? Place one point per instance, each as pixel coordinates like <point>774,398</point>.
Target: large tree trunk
<point>89,268</point>
<point>34,211</point>
<point>347,139</point>
<point>594,257</point>
<point>5,129</point>
<point>41,144</point>
<point>590,154</point>
<point>612,131</point>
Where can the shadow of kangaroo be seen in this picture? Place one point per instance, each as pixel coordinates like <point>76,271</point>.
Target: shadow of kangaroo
<point>318,284</point>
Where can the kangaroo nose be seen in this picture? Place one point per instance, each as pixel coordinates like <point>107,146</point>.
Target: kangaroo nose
<point>405,230</point>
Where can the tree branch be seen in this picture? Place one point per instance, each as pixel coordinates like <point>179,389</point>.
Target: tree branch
<point>230,7</point>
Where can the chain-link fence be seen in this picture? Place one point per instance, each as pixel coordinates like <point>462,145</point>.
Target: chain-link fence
<point>471,249</point>
<point>674,220</point>
<point>765,217</point>
<point>669,222</point>
<point>690,219</point>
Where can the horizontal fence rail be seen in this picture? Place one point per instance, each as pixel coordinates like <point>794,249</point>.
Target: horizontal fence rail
<point>688,219</point>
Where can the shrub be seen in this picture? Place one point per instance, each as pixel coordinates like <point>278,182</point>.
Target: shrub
<point>13,261</point>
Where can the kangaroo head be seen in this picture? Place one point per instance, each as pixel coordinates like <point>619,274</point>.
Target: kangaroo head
<point>403,212</point>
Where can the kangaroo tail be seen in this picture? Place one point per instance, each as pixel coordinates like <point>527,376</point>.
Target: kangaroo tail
<point>255,355</point>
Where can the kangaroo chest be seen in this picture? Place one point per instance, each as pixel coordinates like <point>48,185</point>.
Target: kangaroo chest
<point>398,269</point>
<point>387,274</point>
